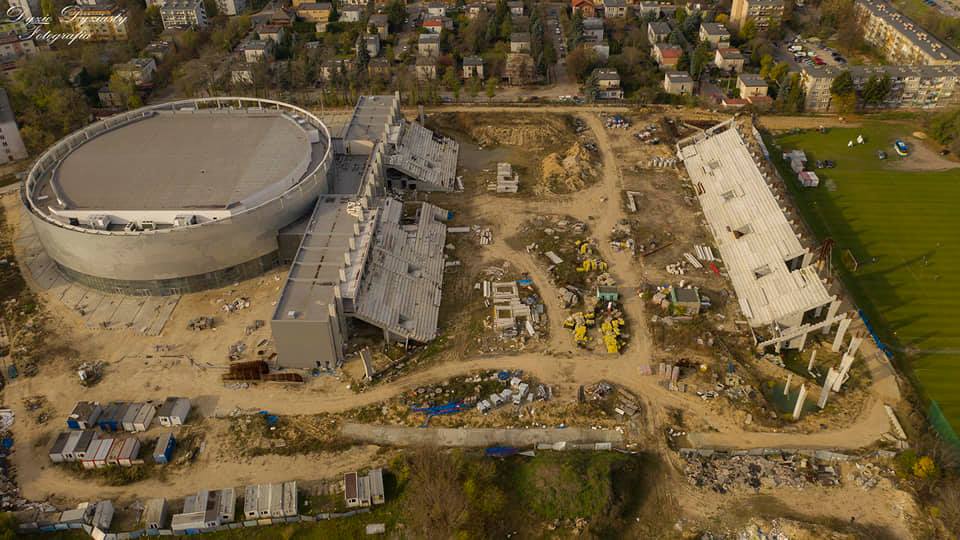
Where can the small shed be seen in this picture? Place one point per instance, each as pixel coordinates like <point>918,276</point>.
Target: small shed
<point>156,514</point>
<point>112,416</point>
<point>100,459</point>
<point>56,451</point>
<point>276,500</point>
<point>163,451</point>
<point>607,294</point>
<point>808,179</point>
<point>88,461</point>
<point>84,415</point>
<point>363,490</point>
<point>686,300</point>
<point>174,411</point>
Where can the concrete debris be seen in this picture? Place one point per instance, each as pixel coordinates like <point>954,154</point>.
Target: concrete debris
<point>257,324</point>
<point>632,200</point>
<point>235,351</point>
<point>200,323</point>
<point>238,304</point>
<point>747,472</point>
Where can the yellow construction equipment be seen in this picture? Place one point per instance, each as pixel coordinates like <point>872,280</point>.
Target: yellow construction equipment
<point>580,335</point>
<point>611,342</point>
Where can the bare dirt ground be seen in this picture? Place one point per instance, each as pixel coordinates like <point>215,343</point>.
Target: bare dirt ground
<point>193,365</point>
<point>923,158</point>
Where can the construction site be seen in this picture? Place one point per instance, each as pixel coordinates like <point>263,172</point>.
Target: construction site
<point>525,281</point>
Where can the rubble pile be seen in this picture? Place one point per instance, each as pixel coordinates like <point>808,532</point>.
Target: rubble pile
<point>567,172</point>
<point>745,472</point>
<point>237,304</point>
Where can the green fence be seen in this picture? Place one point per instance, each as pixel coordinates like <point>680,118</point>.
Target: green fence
<point>942,425</point>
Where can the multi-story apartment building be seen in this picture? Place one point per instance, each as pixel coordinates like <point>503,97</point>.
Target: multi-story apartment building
<point>11,145</point>
<point>101,22</point>
<point>28,9</point>
<point>765,13</point>
<point>13,47</point>
<point>183,14</point>
<point>912,87</point>
<point>231,7</point>
<point>900,39</point>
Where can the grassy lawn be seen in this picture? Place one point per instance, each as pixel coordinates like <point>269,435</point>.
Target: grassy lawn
<point>903,227</point>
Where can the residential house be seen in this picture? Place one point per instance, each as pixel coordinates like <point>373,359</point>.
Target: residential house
<point>608,83</point>
<point>677,83</point>
<point>426,68</point>
<point>335,68</point>
<point>257,50</point>
<point>437,9</point>
<point>379,67</point>
<point>158,50</point>
<point>27,9</point>
<point>382,23</point>
<point>515,7</point>
<point>177,14</point>
<point>139,71</point>
<point>428,45</point>
<point>271,32</point>
<point>729,59</point>
<point>243,73</point>
<point>585,7</point>
<point>434,25</point>
<point>750,85</point>
<point>658,32</point>
<point>593,30</point>
<point>520,42</point>
<point>715,34</point>
<point>351,13</point>
<point>602,49</point>
<point>667,55</point>
<point>474,9</point>
<point>472,67</point>
<point>317,13</point>
<point>372,43</point>
<point>614,8</point>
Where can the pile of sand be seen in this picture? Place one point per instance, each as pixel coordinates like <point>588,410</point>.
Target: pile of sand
<point>567,172</point>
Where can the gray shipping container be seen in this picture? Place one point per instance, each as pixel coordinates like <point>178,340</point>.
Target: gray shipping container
<point>130,415</point>
<point>56,451</point>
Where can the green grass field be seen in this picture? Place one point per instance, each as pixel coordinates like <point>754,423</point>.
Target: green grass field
<point>903,227</point>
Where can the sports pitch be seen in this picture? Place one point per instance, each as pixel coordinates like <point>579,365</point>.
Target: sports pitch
<point>902,226</point>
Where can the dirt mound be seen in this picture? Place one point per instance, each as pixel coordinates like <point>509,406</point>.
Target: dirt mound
<point>529,131</point>
<point>567,172</point>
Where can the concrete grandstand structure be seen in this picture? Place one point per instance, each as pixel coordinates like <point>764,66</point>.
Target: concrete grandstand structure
<point>198,194</point>
<point>779,291</point>
<point>177,197</point>
<point>387,268</point>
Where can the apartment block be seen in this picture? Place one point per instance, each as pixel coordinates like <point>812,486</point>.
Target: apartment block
<point>765,13</point>
<point>913,87</point>
<point>183,14</point>
<point>900,39</point>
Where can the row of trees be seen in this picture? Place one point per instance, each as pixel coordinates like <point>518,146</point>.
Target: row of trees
<point>847,98</point>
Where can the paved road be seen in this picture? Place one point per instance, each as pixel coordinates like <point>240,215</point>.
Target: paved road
<point>474,437</point>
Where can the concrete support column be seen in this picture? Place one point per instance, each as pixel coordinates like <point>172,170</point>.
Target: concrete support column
<point>841,331</point>
<point>855,342</point>
<point>831,313</point>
